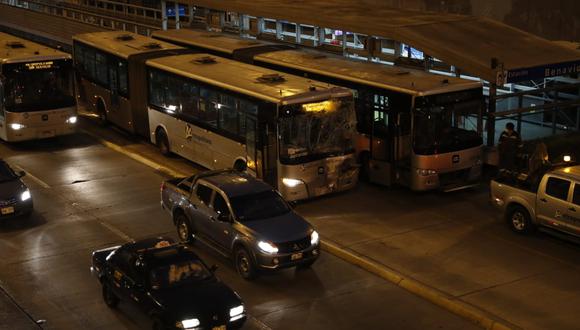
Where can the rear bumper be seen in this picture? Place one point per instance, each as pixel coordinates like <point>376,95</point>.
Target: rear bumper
<point>20,209</point>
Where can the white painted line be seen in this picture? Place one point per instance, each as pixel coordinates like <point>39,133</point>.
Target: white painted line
<point>34,178</point>
<point>116,231</point>
<point>261,325</point>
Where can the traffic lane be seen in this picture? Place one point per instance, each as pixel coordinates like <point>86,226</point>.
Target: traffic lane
<point>459,244</point>
<point>55,257</point>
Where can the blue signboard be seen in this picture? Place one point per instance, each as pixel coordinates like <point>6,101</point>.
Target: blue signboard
<point>171,10</point>
<point>541,72</point>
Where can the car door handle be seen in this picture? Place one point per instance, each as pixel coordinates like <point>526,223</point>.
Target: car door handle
<point>543,200</point>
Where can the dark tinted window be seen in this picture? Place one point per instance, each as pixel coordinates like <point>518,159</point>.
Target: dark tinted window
<point>179,273</point>
<point>204,193</point>
<point>558,188</point>
<point>576,197</point>
<point>101,68</point>
<point>220,205</point>
<point>262,205</point>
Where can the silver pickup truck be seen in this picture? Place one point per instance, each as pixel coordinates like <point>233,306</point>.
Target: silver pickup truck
<point>553,204</point>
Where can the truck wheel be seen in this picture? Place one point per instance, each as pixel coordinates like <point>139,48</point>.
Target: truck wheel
<point>162,142</point>
<point>244,264</point>
<point>109,297</point>
<point>519,220</point>
<point>184,231</point>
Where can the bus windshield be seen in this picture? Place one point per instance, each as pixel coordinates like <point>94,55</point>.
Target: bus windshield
<point>445,123</point>
<point>37,86</point>
<point>312,131</point>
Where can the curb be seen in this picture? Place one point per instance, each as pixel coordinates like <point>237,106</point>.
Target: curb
<point>458,307</point>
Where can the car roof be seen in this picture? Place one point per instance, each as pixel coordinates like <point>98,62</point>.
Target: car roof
<point>234,183</point>
<point>569,172</point>
<point>160,250</point>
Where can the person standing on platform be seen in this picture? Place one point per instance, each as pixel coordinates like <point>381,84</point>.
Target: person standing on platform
<point>509,146</point>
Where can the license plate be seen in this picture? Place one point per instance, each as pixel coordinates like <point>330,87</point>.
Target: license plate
<point>7,210</point>
<point>221,327</point>
<point>296,256</point>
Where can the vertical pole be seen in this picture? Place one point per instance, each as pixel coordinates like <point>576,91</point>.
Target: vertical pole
<point>578,115</point>
<point>190,14</point>
<point>260,25</point>
<point>163,15</point>
<point>177,19</point>
<point>298,33</point>
<point>490,114</point>
<point>321,36</point>
<point>344,42</point>
<point>520,105</point>
<point>279,35</point>
<point>555,113</point>
<point>242,24</point>
<point>316,36</point>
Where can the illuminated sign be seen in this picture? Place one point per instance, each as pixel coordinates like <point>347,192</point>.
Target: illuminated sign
<point>39,65</point>
<point>320,106</point>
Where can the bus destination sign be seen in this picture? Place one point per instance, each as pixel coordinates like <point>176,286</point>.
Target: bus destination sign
<point>39,65</point>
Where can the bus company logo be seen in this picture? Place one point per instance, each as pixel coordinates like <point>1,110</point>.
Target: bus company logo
<point>455,159</point>
<point>39,65</point>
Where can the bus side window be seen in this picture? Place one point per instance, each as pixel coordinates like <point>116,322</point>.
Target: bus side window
<point>404,123</point>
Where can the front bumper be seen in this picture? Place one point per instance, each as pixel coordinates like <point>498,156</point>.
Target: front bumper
<point>14,210</point>
<point>286,260</point>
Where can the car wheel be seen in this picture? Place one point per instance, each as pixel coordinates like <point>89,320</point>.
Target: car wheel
<point>184,231</point>
<point>305,265</point>
<point>163,142</point>
<point>519,220</point>
<point>245,265</point>
<point>109,297</point>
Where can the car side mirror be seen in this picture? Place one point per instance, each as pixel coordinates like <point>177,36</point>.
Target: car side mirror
<point>21,174</point>
<point>213,268</point>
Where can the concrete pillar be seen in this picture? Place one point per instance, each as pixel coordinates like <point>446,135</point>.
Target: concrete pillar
<point>490,115</point>
<point>177,20</point>
<point>260,25</point>
<point>279,27</point>
<point>344,52</point>
<point>163,14</point>
<point>190,13</point>
<point>298,33</point>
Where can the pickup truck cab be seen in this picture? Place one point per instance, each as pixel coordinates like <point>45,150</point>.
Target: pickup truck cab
<point>553,204</point>
<point>241,217</point>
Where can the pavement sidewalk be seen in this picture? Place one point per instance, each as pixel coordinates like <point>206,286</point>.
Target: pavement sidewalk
<point>12,316</point>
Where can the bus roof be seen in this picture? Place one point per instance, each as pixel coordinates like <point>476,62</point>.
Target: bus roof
<point>16,50</point>
<point>409,81</point>
<point>123,44</point>
<point>219,42</point>
<point>248,79</point>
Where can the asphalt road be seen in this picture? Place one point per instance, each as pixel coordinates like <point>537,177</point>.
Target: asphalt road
<point>88,197</point>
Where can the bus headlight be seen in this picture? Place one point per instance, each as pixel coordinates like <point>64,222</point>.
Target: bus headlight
<point>25,195</point>
<point>267,247</point>
<point>423,172</point>
<point>72,120</point>
<point>291,183</point>
<point>16,126</point>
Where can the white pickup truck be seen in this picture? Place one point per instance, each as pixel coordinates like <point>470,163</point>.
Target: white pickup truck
<point>553,204</point>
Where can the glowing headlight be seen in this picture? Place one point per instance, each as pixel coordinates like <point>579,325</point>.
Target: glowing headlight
<point>72,120</point>
<point>25,195</point>
<point>314,238</point>
<point>423,172</point>
<point>191,323</point>
<point>267,247</point>
<point>236,311</point>
<point>567,158</point>
<point>291,183</point>
<point>16,126</point>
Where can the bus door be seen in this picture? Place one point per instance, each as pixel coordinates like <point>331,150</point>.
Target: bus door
<point>251,141</point>
<point>382,143</point>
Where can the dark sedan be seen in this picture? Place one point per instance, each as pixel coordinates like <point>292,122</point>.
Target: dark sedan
<point>15,197</point>
<point>170,283</point>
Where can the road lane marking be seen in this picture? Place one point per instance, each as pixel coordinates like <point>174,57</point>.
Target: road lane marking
<point>261,325</point>
<point>34,178</point>
<point>116,231</point>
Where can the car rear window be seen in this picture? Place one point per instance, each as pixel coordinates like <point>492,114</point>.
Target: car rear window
<point>262,205</point>
<point>558,188</point>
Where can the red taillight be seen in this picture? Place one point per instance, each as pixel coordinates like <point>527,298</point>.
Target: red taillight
<point>162,185</point>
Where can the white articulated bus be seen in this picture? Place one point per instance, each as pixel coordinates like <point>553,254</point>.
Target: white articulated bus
<point>415,128</point>
<point>36,91</point>
<point>295,133</point>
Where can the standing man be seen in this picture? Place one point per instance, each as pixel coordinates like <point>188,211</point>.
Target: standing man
<point>509,145</point>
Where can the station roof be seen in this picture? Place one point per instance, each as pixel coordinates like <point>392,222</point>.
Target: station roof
<point>14,49</point>
<point>467,42</point>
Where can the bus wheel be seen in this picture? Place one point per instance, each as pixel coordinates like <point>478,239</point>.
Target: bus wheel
<point>240,166</point>
<point>162,142</point>
<point>101,113</point>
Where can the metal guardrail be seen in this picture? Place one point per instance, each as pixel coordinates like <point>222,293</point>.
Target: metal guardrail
<point>61,9</point>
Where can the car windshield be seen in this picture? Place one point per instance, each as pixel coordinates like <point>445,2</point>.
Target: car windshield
<point>263,205</point>
<point>32,87</point>
<point>179,273</point>
<point>314,131</point>
<point>6,173</point>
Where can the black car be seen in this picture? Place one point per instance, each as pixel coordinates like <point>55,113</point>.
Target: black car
<point>170,283</point>
<point>15,198</point>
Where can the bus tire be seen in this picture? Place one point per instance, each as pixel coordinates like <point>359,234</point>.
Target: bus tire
<point>102,112</point>
<point>240,165</point>
<point>162,142</point>
<point>519,220</point>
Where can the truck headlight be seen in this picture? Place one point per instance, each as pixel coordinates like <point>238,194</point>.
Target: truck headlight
<point>314,238</point>
<point>267,247</point>
<point>72,120</point>
<point>291,183</point>
<point>423,172</point>
<point>25,195</point>
<point>191,323</point>
<point>16,126</point>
